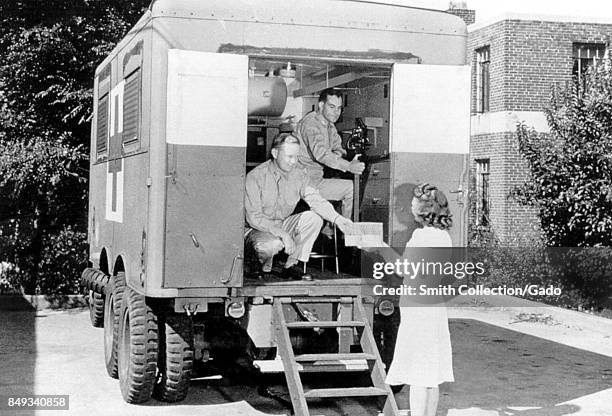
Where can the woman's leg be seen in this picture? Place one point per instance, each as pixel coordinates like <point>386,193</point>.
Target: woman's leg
<point>424,400</point>
<point>418,400</point>
<point>433,395</point>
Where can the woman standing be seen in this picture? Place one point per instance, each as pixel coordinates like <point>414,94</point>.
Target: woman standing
<point>423,355</point>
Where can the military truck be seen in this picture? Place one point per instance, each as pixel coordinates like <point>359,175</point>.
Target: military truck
<point>184,106</point>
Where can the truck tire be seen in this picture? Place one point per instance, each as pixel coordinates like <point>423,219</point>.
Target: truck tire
<point>96,309</point>
<point>175,360</point>
<point>112,312</point>
<point>137,348</point>
<point>93,282</point>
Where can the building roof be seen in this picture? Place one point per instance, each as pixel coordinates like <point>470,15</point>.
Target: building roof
<point>538,18</point>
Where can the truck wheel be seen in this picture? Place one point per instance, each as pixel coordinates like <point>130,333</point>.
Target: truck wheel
<point>112,312</point>
<point>94,279</point>
<point>175,358</point>
<point>96,309</point>
<point>137,349</point>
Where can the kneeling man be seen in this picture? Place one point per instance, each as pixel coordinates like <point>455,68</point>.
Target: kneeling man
<point>273,190</point>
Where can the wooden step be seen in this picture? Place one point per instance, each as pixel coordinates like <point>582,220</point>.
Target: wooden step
<point>345,392</point>
<point>333,357</point>
<point>325,324</point>
<point>276,366</point>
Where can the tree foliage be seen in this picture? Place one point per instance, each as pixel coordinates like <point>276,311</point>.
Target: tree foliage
<point>48,53</point>
<point>571,166</point>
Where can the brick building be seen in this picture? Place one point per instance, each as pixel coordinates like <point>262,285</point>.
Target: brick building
<point>515,62</point>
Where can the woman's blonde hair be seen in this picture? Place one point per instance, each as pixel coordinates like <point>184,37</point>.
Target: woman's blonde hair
<point>430,207</point>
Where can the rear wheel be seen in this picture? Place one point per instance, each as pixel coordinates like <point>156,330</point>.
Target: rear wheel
<point>137,348</point>
<point>95,299</point>
<point>175,358</point>
<point>112,313</point>
<point>96,309</point>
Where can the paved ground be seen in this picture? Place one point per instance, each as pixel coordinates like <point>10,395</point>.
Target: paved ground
<point>501,369</point>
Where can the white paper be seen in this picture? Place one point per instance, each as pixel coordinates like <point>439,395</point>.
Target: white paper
<point>364,234</point>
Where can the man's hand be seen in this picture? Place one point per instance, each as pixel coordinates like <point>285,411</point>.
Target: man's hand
<point>287,242</point>
<point>356,166</point>
<point>345,225</point>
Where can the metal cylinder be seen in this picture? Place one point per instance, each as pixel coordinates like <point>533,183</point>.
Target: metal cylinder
<point>267,96</point>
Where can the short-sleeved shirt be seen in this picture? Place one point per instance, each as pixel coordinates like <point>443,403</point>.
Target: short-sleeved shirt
<point>271,196</point>
<point>320,145</point>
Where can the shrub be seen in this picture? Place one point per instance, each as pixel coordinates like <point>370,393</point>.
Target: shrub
<point>571,167</point>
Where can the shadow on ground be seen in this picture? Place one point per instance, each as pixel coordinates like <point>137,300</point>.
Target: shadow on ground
<point>17,352</point>
<point>497,369</point>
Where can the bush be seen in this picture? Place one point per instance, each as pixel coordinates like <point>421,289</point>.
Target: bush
<point>582,274</point>
<point>48,54</point>
<point>571,167</point>
<point>64,255</point>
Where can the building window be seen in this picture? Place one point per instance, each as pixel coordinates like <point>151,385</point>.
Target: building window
<point>482,192</point>
<point>584,56</point>
<point>482,79</point>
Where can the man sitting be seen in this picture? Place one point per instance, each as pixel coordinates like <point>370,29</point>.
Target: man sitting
<point>321,145</point>
<point>273,190</point>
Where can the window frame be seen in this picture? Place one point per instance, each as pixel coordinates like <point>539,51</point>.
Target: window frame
<point>483,198</point>
<point>578,61</point>
<point>483,79</point>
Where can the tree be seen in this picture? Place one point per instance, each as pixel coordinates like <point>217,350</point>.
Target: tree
<point>571,166</point>
<point>48,54</point>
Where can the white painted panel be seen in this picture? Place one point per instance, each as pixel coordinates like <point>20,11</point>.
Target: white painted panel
<point>116,109</point>
<point>207,98</point>
<point>430,108</point>
<point>259,327</point>
<point>116,185</point>
<point>506,121</point>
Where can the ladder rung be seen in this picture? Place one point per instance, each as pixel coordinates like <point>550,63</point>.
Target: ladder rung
<point>333,357</point>
<point>325,324</point>
<point>321,256</point>
<point>311,300</point>
<point>276,366</point>
<point>345,392</point>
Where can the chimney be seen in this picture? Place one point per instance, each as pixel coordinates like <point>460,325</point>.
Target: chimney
<point>459,8</point>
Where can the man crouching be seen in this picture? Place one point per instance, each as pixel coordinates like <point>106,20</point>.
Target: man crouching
<point>273,190</point>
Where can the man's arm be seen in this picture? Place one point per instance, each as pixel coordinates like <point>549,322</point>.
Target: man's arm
<point>253,207</point>
<point>318,204</point>
<point>321,206</point>
<point>326,210</point>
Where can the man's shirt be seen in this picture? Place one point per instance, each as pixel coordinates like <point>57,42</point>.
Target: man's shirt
<point>271,196</point>
<point>320,144</point>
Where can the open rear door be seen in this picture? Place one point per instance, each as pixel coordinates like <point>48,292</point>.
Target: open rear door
<point>430,134</point>
<point>206,133</point>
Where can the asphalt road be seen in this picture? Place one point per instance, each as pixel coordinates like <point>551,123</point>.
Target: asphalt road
<point>497,371</point>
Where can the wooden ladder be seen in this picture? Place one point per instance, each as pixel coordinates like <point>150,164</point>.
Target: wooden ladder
<point>352,317</point>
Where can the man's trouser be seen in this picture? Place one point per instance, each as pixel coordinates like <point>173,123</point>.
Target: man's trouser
<point>303,229</point>
<point>338,190</point>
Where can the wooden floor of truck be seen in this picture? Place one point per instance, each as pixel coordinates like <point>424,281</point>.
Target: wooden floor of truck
<point>323,283</point>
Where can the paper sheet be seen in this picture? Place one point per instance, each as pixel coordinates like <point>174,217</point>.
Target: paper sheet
<point>364,234</point>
